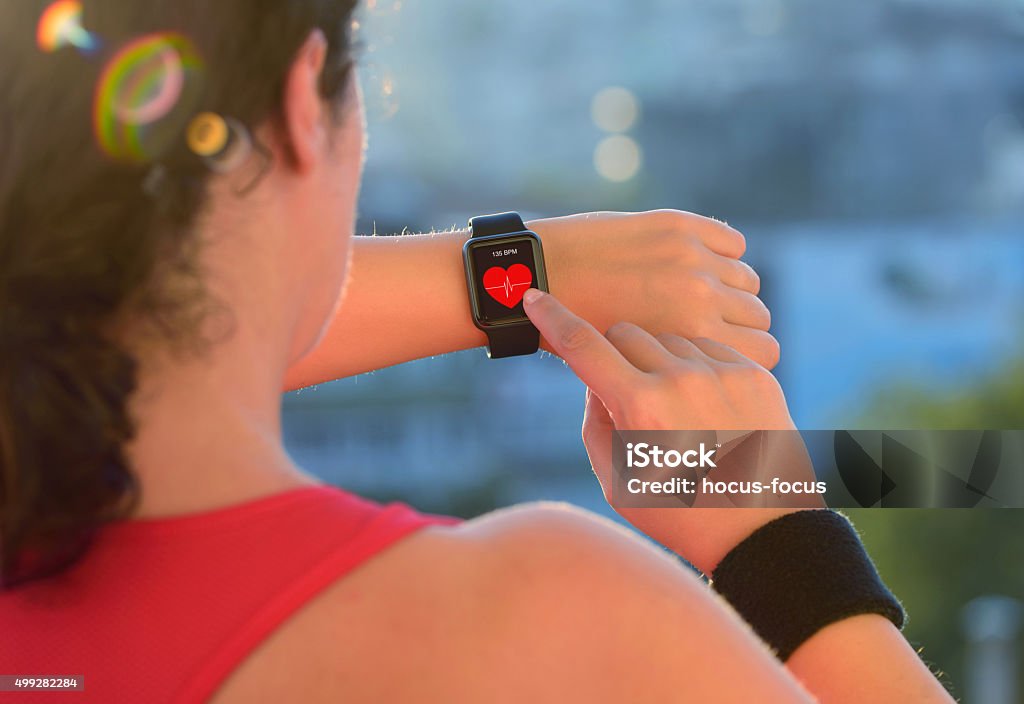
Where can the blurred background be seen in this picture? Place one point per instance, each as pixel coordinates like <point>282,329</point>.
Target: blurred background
<point>873,154</point>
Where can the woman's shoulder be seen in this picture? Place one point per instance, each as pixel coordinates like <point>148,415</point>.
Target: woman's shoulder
<point>451,604</point>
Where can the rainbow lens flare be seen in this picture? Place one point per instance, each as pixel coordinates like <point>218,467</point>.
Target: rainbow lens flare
<point>145,95</point>
<point>61,25</point>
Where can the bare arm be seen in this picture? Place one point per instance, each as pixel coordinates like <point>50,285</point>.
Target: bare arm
<point>672,271</point>
<point>577,608</point>
<point>859,659</point>
<point>405,299</point>
<point>639,381</point>
<point>864,659</point>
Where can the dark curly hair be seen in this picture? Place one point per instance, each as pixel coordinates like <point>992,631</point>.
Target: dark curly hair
<point>86,243</point>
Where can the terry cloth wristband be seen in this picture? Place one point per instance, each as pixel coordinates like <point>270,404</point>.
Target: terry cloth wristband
<point>797,574</point>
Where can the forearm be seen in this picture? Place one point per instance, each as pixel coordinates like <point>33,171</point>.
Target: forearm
<point>666,271</point>
<point>864,659</point>
<point>406,299</point>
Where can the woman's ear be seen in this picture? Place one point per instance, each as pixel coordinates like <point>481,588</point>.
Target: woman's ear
<point>305,127</point>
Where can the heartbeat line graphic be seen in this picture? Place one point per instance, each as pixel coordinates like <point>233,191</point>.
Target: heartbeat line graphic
<point>508,287</point>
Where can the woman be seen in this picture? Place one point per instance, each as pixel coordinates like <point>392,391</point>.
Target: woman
<point>157,294</point>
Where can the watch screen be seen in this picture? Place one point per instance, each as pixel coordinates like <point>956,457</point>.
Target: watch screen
<point>502,272</point>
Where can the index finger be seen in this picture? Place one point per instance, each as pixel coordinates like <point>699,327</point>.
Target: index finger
<point>590,354</point>
<point>720,351</point>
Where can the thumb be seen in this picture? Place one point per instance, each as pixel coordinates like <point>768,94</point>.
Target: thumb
<point>595,360</point>
<point>597,437</point>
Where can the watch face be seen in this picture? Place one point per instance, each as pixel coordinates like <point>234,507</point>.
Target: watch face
<point>501,270</point>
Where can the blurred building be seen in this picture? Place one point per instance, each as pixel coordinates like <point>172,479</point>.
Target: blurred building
<point>491,432</point>
<point>872,152</point>
<point>857,311</point>
<point>752,110</point>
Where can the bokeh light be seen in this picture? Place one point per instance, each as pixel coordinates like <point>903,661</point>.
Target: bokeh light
<point>618,158</point>
<point>223,142</point>
<point>141,86</point>
<point>207,134</point>
<point>380,91</point>
<point>373,29</point>
<point>61,25</point>
<point>615,109</point>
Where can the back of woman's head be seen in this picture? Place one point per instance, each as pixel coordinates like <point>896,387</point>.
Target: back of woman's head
<point>103,171</point>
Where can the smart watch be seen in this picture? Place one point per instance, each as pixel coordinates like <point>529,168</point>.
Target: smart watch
<point>503,259</point>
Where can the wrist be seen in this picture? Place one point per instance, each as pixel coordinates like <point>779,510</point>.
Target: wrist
<point>467,335</point>
<point>702,536</point>
<point>417,263</point>
<point>566,281</point>
<point>800,573</point>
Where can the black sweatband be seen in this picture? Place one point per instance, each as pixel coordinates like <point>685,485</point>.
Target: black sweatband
<point>797,574</point>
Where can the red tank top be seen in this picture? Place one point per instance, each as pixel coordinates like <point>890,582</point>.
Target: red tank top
<point>162,610</point>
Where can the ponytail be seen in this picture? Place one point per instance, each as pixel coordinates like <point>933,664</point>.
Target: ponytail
<point>63,425</point>
<point>98,255</point>
<point>65,383</point>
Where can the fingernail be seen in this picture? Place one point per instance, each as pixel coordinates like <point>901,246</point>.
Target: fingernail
<point>531,295</point>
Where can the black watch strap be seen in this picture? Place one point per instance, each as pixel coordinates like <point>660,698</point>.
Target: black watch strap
<point>514,340</point>
<point>499,224</point>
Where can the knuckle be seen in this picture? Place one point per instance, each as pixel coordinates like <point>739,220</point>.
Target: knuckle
<point>701,287</point>
<point>574,336</point>
<point>689,377</point>
<point>707,342</point>
<point>704,328</point>
<point>724,231</point>
<point>739,239</point>
<point>734,236</point>
<point>774,352</point>
<point>620,330</point>
<point>753,279</point>
<point>681,221</point>
<point>680,378</point>
<point>678,246</point>
<point>768,384</point>
<point>762,315</point>
<point>641,411</point>
<point>748,377</point>
<point>667,338</point>
<point>673,220</point>
<point>753,374</point>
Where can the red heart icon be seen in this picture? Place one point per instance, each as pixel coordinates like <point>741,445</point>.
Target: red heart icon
<point>508,286</point>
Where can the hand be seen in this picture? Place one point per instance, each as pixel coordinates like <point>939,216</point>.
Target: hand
<point>666,271</point>
<point>639,381</point>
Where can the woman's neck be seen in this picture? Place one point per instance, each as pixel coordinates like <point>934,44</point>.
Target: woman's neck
<point>209,430</point>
